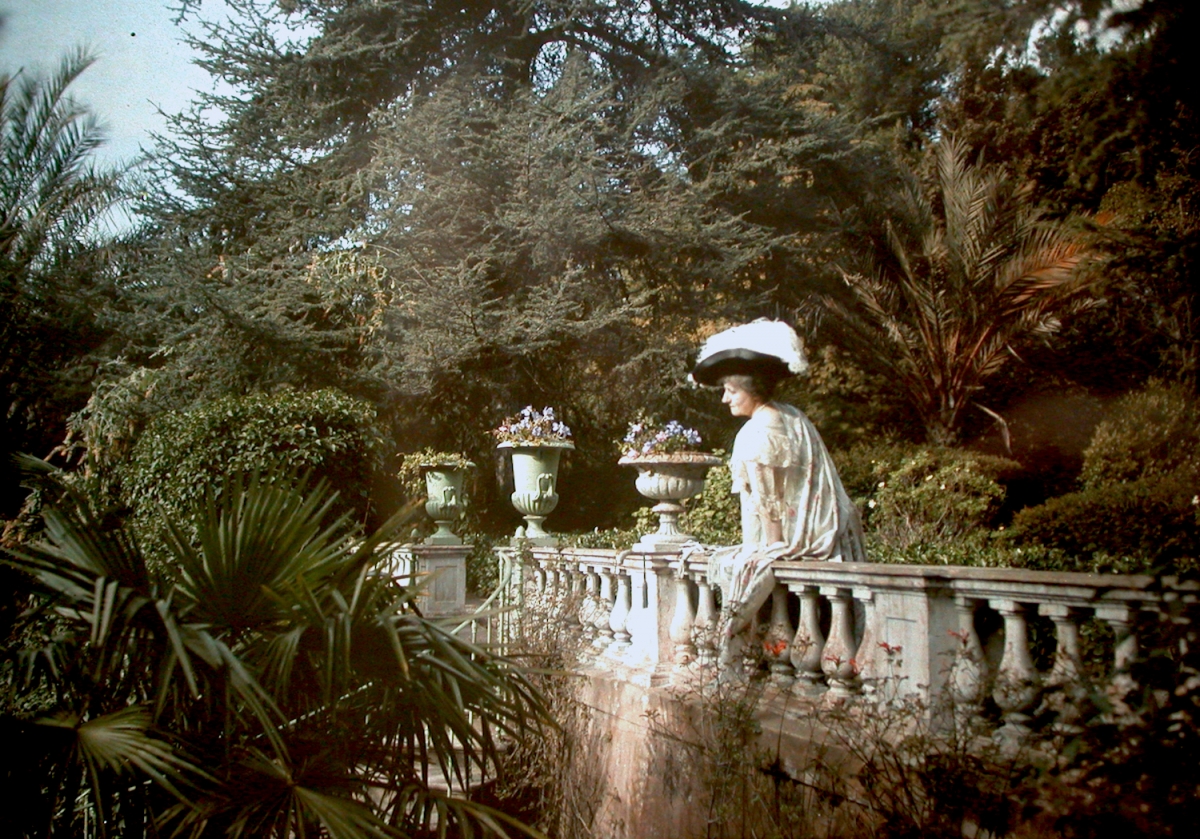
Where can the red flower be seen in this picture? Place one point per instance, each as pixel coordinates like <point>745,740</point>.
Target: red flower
<point>775,648</point>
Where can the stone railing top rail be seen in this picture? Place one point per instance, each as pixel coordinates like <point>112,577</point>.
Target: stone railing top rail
<point>980,583</point>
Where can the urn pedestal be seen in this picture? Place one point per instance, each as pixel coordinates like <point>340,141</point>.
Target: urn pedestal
<point>535,487</point>
<point>669,479</point>
<point>439,573</point>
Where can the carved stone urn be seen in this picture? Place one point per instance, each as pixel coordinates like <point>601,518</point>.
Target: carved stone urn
<point>669,479</point>
<point>446,501</point>
<point>535,486</point>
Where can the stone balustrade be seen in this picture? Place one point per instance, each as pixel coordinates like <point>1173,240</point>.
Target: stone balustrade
<point>838,630</point>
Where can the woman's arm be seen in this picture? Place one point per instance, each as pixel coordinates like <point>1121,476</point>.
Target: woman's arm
<point>766,487</point>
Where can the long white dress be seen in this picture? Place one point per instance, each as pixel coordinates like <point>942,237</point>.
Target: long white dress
<point>783,472</point>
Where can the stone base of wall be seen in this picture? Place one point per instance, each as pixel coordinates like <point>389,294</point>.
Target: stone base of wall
<point>689,763</point>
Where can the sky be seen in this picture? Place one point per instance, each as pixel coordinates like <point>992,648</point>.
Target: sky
<point>140,63</point>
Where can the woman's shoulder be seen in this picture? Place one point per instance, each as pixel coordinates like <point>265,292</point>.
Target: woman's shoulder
<point>764,438</point>
<point>770,414</point>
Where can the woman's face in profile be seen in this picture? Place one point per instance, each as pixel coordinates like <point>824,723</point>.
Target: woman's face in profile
<point>741,402</point>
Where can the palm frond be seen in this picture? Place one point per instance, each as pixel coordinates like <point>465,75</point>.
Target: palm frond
<point>942,320</point>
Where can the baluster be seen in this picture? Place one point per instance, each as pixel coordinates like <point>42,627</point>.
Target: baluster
<point>620,615</point>
<point>1065,676</point>
<point>808,647</point>
<point>540,600</point>
<point>837,662</point>
<point>573,602</point>
<point>778,640</point>
<point>968,674</point>
<point>551,596</point>
<point>1068,665</point>
<point>1121,618</point>
<point>704,625</point>
<point>562,592</point>
<point>870,672</point>
<point>604,610</point>
<point>587,609</point>
<point>1017,685</point>
<point>680,631</point>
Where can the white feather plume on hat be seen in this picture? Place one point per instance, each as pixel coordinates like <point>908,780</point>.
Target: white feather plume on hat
<point>771,345</point>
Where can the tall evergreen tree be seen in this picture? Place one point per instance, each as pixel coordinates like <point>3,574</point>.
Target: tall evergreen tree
<point>444,204</point>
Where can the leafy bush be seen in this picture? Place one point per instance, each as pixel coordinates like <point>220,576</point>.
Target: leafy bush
<point>715,516</point>
<point>612,537</point>
<point>294,684</point>
<point>1154,431</point>
<point>1155,519</point>
<point>931,496</point>
<point>182,454</point>
<point>864,465</point>
<point>1133,767</point>
<point>992,549</point>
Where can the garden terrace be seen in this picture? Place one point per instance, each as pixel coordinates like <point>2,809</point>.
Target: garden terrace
<point>856,664</point>
<point>848,628</point>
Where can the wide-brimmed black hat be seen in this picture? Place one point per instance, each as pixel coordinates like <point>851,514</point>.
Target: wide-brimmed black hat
<point>768,348</point>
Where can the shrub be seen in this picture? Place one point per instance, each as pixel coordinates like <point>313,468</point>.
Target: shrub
<point>715,516</point>
<point>1154,431</point>
<point>864,465</point>
<point>181,453</point>
<point>1155,519</point>
<point>932,496</point>
<point>612,537</point>
<point>1135,772</point>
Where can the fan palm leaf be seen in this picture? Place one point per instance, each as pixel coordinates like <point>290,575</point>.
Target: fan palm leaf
<point>278,656</point>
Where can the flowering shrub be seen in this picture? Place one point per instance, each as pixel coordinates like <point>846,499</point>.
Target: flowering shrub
<point>531,427</point>
<point>915,495</point>
<point>647,436</point>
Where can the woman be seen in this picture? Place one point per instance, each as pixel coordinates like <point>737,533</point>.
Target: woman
<point>793,503</point>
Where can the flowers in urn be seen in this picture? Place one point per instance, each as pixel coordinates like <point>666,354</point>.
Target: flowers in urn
<point>647,436</point>
<point>533,428</point>
<point>536,440</point>
<point>670,470</point>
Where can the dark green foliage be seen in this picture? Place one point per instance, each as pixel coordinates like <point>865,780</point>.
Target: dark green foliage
<point>847,404</point>
<point>1155,519</point>
<point>917,496</point>
<point>1148,433</point>
<point>182,455</point>
<point>265,682</point>
<point>964,275</point>
<point>55,270</point>
<point>1131,770</point>
<point>715,516</point>
<point>1140,484</point>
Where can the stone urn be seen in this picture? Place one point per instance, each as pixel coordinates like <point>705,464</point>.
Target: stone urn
<point>535,486</point>
<point>669,479</point>
<point>446,501</point>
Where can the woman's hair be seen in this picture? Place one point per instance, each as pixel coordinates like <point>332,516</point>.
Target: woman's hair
<point>760,386</point>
